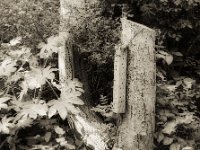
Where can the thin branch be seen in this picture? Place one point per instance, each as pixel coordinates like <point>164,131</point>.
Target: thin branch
<point>52,89</point>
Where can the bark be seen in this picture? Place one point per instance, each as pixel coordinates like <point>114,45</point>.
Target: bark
<point>72,17</point>
<point>137,127</point>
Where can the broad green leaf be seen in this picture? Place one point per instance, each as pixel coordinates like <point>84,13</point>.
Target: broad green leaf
<point>38,77</point>
<point>22,54</point>
<point>24,122</point>
<point>71,92</point>
<point>62,107</point>
<point>32,109</point>
<point>72,86</point>
<point>52,46</point>
<point>7,66</point>
<point>63,112</point>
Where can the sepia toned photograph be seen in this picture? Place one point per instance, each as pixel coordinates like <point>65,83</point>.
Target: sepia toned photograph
<point>99,74</point>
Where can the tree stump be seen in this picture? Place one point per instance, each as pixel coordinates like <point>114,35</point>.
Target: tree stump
<point>137,127</point>
<point>72,18</point>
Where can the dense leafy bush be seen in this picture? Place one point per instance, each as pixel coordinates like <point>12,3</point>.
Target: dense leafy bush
<point>28,74</point>
<point>22,105</point>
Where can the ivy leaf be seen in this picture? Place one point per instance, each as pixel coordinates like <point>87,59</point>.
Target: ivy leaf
<point>5,125</point>
<point>3,100</point>
<point>62,107</point>
<point>7,66</point>
<point>38,76</point>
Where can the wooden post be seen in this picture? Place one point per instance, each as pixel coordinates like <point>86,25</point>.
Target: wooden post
<point>137,128</point>
<point>119,88</point>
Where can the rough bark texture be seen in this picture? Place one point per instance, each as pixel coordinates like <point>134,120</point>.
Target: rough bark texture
<point>72,17</point>
<point>137,128</point>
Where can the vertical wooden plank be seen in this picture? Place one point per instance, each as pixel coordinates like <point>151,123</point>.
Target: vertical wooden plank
<point>119,88</point>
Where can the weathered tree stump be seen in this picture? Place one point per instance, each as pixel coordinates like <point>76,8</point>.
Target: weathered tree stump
<point>134,89</point>
<point>137,128</point>
<point>72,18</point>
